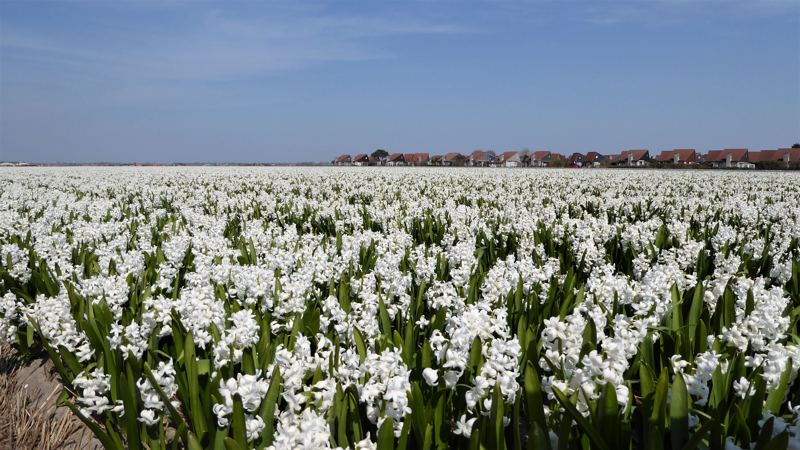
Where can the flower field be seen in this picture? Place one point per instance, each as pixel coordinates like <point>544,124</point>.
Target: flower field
<point>234,308</point>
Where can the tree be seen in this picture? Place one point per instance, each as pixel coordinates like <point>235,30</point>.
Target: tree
<point>380,153</point>
<point>796,145</point>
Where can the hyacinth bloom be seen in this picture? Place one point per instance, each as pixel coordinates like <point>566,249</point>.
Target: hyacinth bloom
<point>319,308</point>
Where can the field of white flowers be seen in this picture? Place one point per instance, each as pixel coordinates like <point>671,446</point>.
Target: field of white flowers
<point>234,308</point>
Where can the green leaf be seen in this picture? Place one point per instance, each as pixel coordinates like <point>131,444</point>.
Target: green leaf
<point>418,412</point>
<point>658,415</point>
<point>535,407</point>
<point>360,347</point>
<point>386,435</point>
<point>679,413</point>
<point>98,432</point>
<point>695,311</point>
<point>129,391</point>
<point>594,434</point>
<point>496,416</point>
<point>608,416</point>
<point>238,421</point>
<point>268,406</point>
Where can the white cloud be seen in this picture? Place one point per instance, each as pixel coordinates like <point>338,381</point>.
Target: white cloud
<point>219,46</point>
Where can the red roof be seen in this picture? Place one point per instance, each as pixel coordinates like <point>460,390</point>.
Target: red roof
<point>343,158</point>
<point>765,155</point>
<point>684,155</point>
<point>508,155</point>
<point>592,156</point>
<point>557,157</point>
<point>394,157</point>
<point>540,155</point>
<point>781,154</point>
<point>736,154</point>
<point>636,155</point>
<point>361,157</point>
<point>421,157</point>
<point>452,156</point>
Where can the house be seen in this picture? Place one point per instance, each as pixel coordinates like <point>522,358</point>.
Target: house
<point>577,160</point>
<point>454,159</point>
<point>342,160</point>
<point>730,157</point>
<point>482,158</point>
<point>512,159</point>
<point>558,160</point>
<point>540,158</point>
<point>395,159</point>
<point>421,159</point>
<point>436,160</point>
<point>634,158</point>
<point>361,159</point>
<point>678,156</point>
<point>791,155</point>
<point>781,155</point>
<point>594,159</point>
<point>766,156</point>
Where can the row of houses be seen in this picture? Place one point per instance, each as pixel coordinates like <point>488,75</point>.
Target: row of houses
<point>728,158</point>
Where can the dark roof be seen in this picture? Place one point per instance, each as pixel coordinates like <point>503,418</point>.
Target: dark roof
<point>361,157</point>
<point>452,156</point>
<point>577,157</point>
<point>343,158</point>
<point>394,157</point>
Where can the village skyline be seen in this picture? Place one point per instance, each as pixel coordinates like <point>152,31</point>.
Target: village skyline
<point>741,158</point>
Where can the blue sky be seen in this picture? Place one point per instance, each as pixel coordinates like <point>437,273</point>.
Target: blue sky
<point>304,81</point>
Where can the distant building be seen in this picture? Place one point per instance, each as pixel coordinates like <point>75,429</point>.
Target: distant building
<point>361,159</point>
<point>454,159</point>
<point>342,160</point>
<point>728,158</point>
<point>540,158</point>
<point>395,159</point>
<point>436,160</point>
<point>557,159</point>
<point>594,159</point>
<point>784,155</point>
<point>634,158</point>
<point>577,160</point>
<point>511,159</point>
<point>420,159</point>
<point>482,158</point>
<point>678,156</point>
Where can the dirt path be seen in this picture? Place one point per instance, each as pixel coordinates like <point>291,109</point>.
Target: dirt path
<point>29,418</point>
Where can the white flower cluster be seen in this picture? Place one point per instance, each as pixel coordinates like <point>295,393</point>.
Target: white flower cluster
<point>327,277</point>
